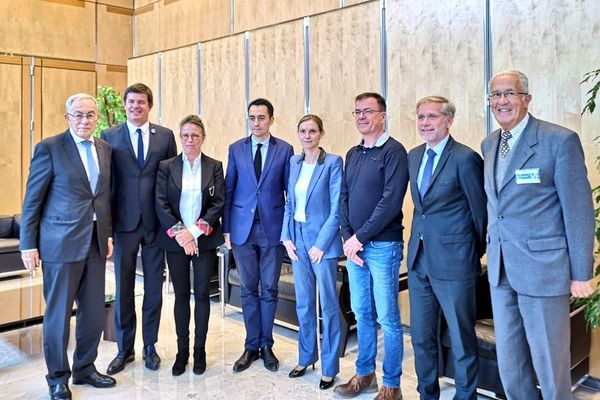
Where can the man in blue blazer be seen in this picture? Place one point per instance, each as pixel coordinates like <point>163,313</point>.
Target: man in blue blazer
<point>66,223</point>
<point>257,176</point>
<point>138,146</point>
<point>446,243</point>
<point>540,240</point>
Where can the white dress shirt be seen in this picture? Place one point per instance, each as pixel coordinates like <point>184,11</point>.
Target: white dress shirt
<point>190,203</point>
<point>133,136</point>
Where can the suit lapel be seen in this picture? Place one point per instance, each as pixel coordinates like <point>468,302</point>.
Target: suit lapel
<point>126,141</point>
<point>522,151</point>
<point>176,169</point>
<point>103,163</point>
<point>247,156</point>
<point>151,142</point>
<point>73,155</point>
<point>443,158</point>
<point>491,157</point>
<point>271,152</point>
<point>414,171</point>
<point>294,174</point>
<point>206,171</point>
<point>319,168</point>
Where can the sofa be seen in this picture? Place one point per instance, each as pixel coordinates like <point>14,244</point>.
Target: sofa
<point>10,256</point>
<point>489,377</point>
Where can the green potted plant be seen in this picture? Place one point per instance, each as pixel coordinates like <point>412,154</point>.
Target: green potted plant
<point>592,303</point>
<point>110,109</point>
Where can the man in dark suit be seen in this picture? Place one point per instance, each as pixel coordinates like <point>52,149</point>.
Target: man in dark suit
<point>66,224</point>
<point>540,240</point>
<point>257,175</point>
<point>138,146</point>
<point>446,243</point>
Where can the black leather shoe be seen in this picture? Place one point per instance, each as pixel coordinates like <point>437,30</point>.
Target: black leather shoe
<point>199,361</point>
<point>297,372</point>
<point>151,357</point>
<point>118,364</point>
<point>181,361</point>
<point>271,362</point>
<point>59,392</point>
<point>244,362</point>
<point>324,385</point>
<point>96,379</point>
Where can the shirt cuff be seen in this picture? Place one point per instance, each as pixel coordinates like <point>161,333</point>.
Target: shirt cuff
<point>195,231</point>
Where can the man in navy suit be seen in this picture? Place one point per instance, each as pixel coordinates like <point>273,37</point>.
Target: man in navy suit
<point>257,175</point>
<point>66,223</point>
<point>138,146</point>
<point>446,243</point>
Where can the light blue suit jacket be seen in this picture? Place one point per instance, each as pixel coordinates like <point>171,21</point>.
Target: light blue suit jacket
<point>322,205</point>
<point>243,194</point>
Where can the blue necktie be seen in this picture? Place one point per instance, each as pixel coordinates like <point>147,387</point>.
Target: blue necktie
<point>92,167</point>
<point>140,149</point>
<point>427,172</point>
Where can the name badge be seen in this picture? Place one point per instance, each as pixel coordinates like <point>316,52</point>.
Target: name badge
<point>528,175</point>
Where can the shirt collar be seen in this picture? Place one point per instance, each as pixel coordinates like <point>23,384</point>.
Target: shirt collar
<point>265,142</point>
<point>132,128</point>
<point>380,140</point>
<point>518,129</point>
<point>196,160</point>
<point>79,139</point>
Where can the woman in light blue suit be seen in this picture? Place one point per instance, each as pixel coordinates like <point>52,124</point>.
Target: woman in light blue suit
<point>311,237</point>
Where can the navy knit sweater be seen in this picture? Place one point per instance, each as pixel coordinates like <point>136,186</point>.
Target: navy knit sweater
<point>373,189</point>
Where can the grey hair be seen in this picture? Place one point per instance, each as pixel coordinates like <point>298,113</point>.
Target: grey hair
<point>523,80</point>
<point>448,108</point>
<point>78,96</point>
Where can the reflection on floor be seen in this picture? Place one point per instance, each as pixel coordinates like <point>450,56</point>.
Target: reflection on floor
<point>22,367</point>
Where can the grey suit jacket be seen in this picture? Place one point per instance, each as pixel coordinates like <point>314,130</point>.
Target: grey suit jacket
<point>542,232</point>
<point>322,205</point>
<point>59,204</point>
<point>451,219</point>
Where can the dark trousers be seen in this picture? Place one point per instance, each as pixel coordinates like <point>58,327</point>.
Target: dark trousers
<point>153,262</point>
<point>456,300</point>
<point>65,283</point>
<point>179,269</point>
<point>258,263</point>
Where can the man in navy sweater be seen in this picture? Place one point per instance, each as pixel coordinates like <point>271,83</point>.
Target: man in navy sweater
<point>373,188</point>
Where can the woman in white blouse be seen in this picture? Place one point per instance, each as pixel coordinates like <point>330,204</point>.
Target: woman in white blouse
<point>312,240</point>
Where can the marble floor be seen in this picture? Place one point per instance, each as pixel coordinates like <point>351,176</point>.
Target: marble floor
<point>22,367</point>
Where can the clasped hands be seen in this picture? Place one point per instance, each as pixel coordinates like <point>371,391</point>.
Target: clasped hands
<point>314,254</point>
<point>351,248</point>
<point>186,240</point>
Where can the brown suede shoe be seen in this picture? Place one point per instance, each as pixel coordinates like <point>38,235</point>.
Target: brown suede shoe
<point>386,393</point>
<point>357,385</point>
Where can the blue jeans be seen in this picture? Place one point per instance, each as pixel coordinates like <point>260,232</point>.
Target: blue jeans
<point>374,298</point>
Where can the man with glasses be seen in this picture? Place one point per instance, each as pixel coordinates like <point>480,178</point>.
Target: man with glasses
<point>256,180</point>
<point>540,240</point>
<point>66,223</point>
<point>138,147</point>
<point>373,189</point>
<point>446,243</point>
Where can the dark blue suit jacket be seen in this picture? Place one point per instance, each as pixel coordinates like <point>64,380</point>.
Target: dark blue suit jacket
<point>452,217</point>
<point>322,205</point>
<point>243,193</point>
<point>59,205</point>
<point>133,187</point>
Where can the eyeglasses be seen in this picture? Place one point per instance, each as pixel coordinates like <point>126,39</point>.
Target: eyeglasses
<point>91,116</point>
<point>367,112</point>
<point>186,137</point>
<point>509,94</point>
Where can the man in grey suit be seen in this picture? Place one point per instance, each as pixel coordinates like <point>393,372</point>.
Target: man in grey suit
<point>446,243</point>
<point>66,224</point>
<point>540,240</point>
<point>137,148</point>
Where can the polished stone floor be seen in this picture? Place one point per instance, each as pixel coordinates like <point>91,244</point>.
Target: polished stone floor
<point>22,367</point>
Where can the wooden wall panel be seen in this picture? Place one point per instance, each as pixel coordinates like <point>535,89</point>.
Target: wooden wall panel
<point>564,51</point>
<point>252,14</point>
<point>57,85</point>
<point>144,3</point>
<point>115,41</point>
<point>345,61</point>
<point>186,22</point>
<point>223,99</point>
<point>179,71</point>
<point>67,30</point>
<point>11,137</point>
<point>348,3</point>
<point>112,75</point>
<point>145,70</point>
<point>436,49</point>
<point>146,29</point>
<point>277,73</point>
<point>119,3</point>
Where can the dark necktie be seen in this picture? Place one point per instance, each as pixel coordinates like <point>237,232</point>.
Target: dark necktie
<point>140,148</point>
<point>427,172</point>
<point>92,167</point>
<point>504,149</point>
<point>257,162</point>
